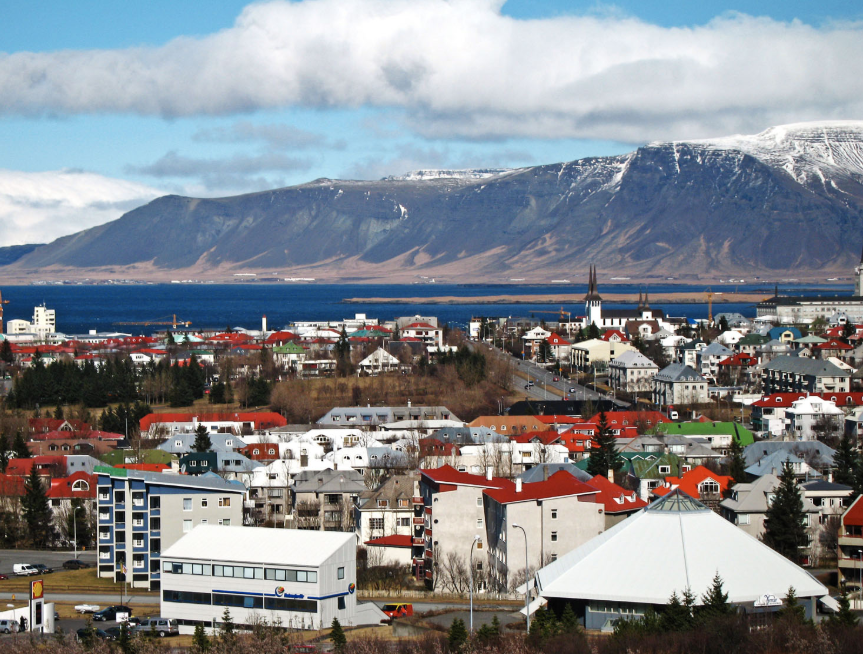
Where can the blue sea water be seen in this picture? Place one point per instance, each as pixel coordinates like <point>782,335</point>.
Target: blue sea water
<point>81,308</point>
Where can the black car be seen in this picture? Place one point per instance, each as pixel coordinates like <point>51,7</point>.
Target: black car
<point>110,613</point>
<point>114,632</point>
<point>42,568</point>
<point>75,564</point>
<point>87,634</point>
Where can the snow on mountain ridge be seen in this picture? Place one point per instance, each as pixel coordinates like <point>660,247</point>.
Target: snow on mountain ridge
<point>467,173</point>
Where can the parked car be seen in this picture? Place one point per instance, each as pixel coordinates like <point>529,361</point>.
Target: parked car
<point>8,626</point>
<point>161,626</point>
<point>133,621</point>
<point>398,610</point>
<point>110,612</point>
<point>4,576</point>
<point>75,564</point>
<point>24,569</point>
<point>114,632</point>
<point>572,390</point>
<point>87,634</point>
<point>555,379</point>
<point>42,568</point>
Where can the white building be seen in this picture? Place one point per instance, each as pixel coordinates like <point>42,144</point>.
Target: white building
<point>809,416</point>
<point>631,372</point>
<point>679,384</point>
<point>301,579</point>
<point>44,322</point>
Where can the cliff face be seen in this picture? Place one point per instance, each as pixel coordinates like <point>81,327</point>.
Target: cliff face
<point>787,200</point>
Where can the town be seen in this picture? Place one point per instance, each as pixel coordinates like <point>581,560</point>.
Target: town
<point>288,474</point>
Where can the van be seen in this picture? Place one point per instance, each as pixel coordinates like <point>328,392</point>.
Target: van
<point>161,626</point>
<point>24,569</point>
<point>8,626</point>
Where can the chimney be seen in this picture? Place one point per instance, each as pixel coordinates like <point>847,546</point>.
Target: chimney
<point>518,484</point>
<point>264,324</point>
<point>488,472</point>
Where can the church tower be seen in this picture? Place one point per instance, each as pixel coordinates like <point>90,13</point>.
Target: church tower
<point>593,301</point>
<point>858,278</point>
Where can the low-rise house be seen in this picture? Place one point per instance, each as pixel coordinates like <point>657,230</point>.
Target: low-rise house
<point>708,359</point>
<point>817,456</point>
<point>647,471</point>
<point>230,465</point>
<point>596,353</point>
<point>850,559</point>
<point>183,442</point>
<point>394,509</point>
<point>704,485</point>
<point>812,418</point>
<point>719,434</point>
<point>379,361</point>
<point>324,500</point>
<point>631,372</point>
<point>374,416</point>
<point>425,332</point>
<point>679,384</point>
<point>166,424</point>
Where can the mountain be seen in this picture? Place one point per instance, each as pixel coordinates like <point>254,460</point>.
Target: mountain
<point>11,253</point>
<point>786,201</point>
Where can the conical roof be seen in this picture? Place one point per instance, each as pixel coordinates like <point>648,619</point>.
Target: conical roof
<point>592,292</point>
<point>673,544</point>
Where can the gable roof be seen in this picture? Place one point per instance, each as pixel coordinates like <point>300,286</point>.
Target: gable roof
<point>615,498</point>
<point>678,372</point>
<point>737,431</point>
<point>690,481</point>
<point>560,484</point>
<point>449,476</point>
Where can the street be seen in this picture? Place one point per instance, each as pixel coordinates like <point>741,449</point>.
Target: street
<point>51,558</point>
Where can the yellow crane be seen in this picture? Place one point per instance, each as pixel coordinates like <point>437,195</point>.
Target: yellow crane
<point>159,321</point>
<point>560,313</point>
<point>709,293</point>
<point>2,302</point>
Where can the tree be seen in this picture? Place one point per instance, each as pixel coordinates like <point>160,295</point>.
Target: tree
<point>457,636</point>
<point>792,610</point>
<point>124,639</point>
<point>217,393</point>
<point>200,641</point>
<point>35,509</point>
<point>845,461</point>
<point>202,440</point>
<point>337,635</point>
<point>676,616</point>
<point>736,464</point>
<point>844,617</point>
<point>6,354</point>
<point>4,452</point>
<point>784,528</point>
<point>714,602</point>
<point>227,623</point>
<point>19,446</point>
<point>568,620</point>
<point>604,456</point>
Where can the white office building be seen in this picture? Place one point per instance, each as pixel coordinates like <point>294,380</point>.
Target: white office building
<point>300,579</point>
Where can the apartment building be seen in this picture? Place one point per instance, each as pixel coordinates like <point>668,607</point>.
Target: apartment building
<point>142,513</point>
<point>324,500</point>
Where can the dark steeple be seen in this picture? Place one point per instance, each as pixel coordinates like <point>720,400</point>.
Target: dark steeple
<point>646,300</point>
<point>592,292</point>
<point>640,301</point>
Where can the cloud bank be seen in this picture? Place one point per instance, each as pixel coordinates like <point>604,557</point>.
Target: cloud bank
<point>37,207</point>
<point>460,68</point>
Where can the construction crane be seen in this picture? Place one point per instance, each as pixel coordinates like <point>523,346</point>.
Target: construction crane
<point>709,293</point>
<point>560,313</point>
<point>2,302</point>
<point>159,321</point>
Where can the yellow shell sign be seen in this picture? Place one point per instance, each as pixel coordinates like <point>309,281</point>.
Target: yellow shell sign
<point>36,589</point>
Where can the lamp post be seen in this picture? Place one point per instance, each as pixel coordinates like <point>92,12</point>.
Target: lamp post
<point>75,528</point>
<point>470,570</point>
<point>526,580</point>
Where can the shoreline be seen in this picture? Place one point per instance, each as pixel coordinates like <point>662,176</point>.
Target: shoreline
<point>611,298</point>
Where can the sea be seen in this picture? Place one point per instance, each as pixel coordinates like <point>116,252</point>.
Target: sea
<point>82,308</point>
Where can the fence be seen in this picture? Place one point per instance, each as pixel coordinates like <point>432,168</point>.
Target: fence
<point>434,596</point>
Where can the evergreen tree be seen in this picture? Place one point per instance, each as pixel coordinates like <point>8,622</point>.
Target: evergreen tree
<point>6,354</point>
<point>200,641</point>
<point>58,412</point>
<point>124,639</point>
<point>217,393</point>
<point>4,452</point>
<point>845,461</point>
<point>202,440</point>
<point>337,635</point>
<point>736,464</point>
<point>792,610</point>
<point>19,446</point>
<point>568,621</point>
<point>844,617</point>
<point>604,456</point>
<point>676,617</point>
<point>35,509</point>
<point>714,602</point>
<point>227,623</point>
<point>784,528</point>
<point>593,331</point>
<point>544,625</point>
<point>457,636</point>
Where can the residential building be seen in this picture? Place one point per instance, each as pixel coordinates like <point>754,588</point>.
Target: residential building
<point>699,483</point>
<point>787,374</point>
<point>394,509</point>
<point>166,424</point>
<point>143,513</point>
<point>708,359</point>
<point>596,353</point>
<point>679,384</point>
<point>812,418</point>
<point>379,361</point>
<point>718,434</point>
<point>183,442</point>
<point>373,416</point>
<point>850,548</point>
<point>631,372</point>
<point>324,500</point>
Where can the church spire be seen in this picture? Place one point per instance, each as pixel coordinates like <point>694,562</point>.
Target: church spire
<point>646,300</point>
<point>640,300</point>
<point>592,291</point>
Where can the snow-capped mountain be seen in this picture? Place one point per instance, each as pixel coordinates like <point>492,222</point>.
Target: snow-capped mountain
<point>787,200</point>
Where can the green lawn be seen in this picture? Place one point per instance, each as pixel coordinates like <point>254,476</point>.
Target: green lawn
<point>147,456</point>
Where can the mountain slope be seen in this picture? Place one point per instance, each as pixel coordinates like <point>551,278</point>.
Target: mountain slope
<point>787,200</point>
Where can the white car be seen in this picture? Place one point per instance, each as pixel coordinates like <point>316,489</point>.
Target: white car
<point>87,608</point>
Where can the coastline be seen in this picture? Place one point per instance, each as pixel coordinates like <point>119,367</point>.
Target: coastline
<point>611,298</point>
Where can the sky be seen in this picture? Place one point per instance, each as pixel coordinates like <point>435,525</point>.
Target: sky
<point>107,105</point>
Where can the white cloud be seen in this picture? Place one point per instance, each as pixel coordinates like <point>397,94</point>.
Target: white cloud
<point>461,69</point>
<point>39,207</point>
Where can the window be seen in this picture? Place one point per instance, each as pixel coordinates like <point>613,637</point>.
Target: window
<point>664,470</point>
<point>224,501</point>
<point>120,497</point>
<point>403,504</point>
<point>155,502</point>
<point>479,501</point>
<point>340,573</point>
<point>341,603</point>
<point>187,526</point>
<point>553,556</point>
<point>138,541</point>
<point>376,523</point>
<point>743,519</point>
<point>404,522</point>
<point>225,522</point>
<point>554,514</point>
<point>187,504</point>
<point>382,504</point>
<point>554,537</point>
<point>479,523</point>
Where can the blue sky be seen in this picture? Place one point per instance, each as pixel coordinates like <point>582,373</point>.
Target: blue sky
<point>105,105</point>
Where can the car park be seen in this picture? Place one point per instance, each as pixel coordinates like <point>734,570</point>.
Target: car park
<point>110,613</point>
<point>75,564</point>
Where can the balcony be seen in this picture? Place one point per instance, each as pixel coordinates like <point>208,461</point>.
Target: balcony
<point>419,521</point>
<point>852,541</point>
<point>417,500</point>
<point>418,541</point>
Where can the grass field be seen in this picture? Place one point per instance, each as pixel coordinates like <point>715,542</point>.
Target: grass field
<point>69,581</point>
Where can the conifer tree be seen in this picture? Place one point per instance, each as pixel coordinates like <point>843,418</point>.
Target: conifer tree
<point>844,617</point>
<point>337,635</point>
<point>568,621</point>
<point>457,636</point>
<point>604,456</point>
<point>19,446</point>
<point>202,440</point>
<point>227,623</point>
<point>736,464</point>
<point>845,462</point>
<point>714,602</point>
<point>792,610</point>
<point>200,641</point>
<point>676,617</point>
<point>35,509</point>
<point>784,528</point>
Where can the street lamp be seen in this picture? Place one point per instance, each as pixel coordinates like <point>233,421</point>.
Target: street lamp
<point>470,569</point>
<point>75,528</point>
<point>526,587</point>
